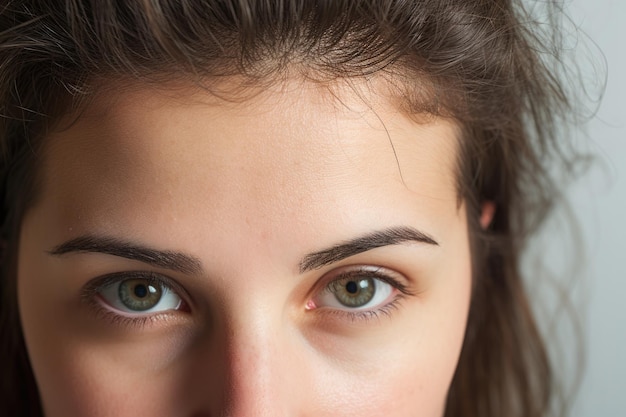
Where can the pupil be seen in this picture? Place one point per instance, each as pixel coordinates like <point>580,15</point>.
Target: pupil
<point>140,291</point>
<point>352,287</point>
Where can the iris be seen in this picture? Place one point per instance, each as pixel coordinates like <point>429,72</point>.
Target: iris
<point>354,292</point>
<point>139,294</point>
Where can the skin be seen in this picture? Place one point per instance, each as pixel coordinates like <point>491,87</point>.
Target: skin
<point>247,189</point>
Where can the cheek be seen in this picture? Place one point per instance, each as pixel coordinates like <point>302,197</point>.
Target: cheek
<point>405,387</point>
<point>78,380</point>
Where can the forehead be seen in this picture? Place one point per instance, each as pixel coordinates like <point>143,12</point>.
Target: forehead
<point>295,151</point>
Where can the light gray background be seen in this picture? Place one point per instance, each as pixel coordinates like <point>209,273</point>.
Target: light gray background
<point>598,283</point>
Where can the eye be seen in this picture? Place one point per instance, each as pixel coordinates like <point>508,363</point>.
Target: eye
<point>139,294</point>
<point>363,289</point>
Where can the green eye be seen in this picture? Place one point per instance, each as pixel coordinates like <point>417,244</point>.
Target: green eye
<point>356,290</point>
<point>353,292</point>
<point>140,295</point>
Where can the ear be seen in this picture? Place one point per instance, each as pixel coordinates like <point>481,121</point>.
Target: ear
<point>488,209</point>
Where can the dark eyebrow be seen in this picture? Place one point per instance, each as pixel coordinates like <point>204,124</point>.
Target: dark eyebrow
<point>175,261</point>
<point>386,237</point>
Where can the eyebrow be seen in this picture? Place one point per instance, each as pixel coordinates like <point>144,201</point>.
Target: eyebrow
<point>386,237</point>
<point>172,260</point>
<point>188,264</point>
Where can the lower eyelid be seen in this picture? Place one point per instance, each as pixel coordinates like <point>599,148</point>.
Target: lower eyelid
<point>135,322</point>
<point>103,311</point>
<point>104,304</point>
<point>352,316</point>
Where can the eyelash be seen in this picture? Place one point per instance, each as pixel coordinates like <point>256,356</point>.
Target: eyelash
<point>367,315</point>
<point>91,294</point>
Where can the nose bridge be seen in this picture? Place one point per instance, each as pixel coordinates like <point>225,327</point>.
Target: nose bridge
<point>257,355</point>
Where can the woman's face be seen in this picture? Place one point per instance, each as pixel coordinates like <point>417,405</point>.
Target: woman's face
<point>298,253</point>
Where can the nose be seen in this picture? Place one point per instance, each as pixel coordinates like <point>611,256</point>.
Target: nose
<point>250,369</point>
<point>258,373</point>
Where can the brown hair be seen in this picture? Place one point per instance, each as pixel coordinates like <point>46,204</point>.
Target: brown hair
<point>479,62</point>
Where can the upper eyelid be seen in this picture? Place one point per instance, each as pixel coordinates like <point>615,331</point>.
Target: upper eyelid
<point>93,287</point>
<point>391,258</point>
<point>387,276</point>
